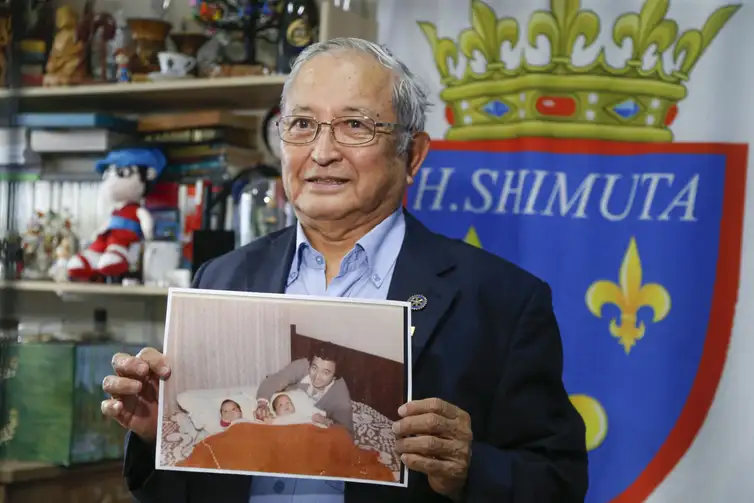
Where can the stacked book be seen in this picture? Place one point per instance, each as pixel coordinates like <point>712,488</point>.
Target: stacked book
<point>17,161</point>
<point>203,145</point>
<point>70,143</point>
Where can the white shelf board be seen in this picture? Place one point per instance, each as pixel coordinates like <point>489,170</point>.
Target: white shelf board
<point>258,92</point>
<point>84,288</point>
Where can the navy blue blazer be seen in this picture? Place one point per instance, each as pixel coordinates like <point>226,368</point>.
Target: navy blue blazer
<point>487,341</point>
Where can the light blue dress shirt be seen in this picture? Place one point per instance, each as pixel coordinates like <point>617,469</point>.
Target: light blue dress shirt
<point>365,272</point>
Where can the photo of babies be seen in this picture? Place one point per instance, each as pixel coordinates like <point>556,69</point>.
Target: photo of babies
<point>284,385</point>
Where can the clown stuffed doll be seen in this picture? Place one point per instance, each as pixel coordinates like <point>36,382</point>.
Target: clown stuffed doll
<point>127,175</point>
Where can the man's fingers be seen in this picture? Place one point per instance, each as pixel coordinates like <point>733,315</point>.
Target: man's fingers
<point>425,424</point>
<point>429,406</point>
<point>129,366</point>
<point>432,467</point>
<point>111,408</point>
<point>433,447</point>
<point>121,386</point>
<point>156,361</point>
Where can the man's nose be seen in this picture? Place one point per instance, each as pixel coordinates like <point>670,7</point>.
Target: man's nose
<point>326,149</point>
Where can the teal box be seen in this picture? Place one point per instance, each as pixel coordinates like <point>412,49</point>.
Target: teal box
<point>53,393</point>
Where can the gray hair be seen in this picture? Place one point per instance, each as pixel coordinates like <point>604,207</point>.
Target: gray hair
<point>410,97</point>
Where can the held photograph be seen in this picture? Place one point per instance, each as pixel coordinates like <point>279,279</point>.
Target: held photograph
<point>284,385</point>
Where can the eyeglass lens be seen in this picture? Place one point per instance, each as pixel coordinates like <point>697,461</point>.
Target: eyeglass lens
<point>347,130</point>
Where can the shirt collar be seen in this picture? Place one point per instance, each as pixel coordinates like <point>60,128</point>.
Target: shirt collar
<point>381,245</point>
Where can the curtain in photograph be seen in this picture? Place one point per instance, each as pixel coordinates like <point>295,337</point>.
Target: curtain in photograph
<point>225,343</point>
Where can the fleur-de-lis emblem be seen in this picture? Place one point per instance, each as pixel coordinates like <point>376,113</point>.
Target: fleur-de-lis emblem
<point>629,295</point>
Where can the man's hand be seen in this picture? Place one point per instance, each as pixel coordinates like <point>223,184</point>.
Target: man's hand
<point>320,419</point>
<point>434,437</point>
<point>262,412</point>
<point>134,391</point>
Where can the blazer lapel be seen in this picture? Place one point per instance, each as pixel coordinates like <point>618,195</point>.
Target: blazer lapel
<point>418,271</point>
<point>268,272</point>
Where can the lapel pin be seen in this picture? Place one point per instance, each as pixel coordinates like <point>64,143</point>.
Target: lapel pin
<point>418,302</point>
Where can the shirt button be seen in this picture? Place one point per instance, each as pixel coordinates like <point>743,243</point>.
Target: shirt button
<point>292,275</point>
<point>320,260</point>
<point>279,487</point>
<point>376,278</point>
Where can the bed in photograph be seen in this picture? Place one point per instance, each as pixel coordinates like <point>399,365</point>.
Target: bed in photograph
<point>193,436</point>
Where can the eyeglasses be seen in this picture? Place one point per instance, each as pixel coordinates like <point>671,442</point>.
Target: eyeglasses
<point>357,130</point>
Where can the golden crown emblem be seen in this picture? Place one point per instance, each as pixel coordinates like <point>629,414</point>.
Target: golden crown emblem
<point>637,102</point>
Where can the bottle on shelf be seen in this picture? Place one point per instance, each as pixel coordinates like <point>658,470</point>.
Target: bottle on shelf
<point>101,331</point>
<point>299,22</point>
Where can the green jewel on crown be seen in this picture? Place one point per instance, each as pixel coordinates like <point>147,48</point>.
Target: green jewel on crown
<point>560,98</point>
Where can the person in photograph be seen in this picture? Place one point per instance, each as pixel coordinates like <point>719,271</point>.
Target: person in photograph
<point>317,377</point>
<point>284,412</point>
<point>229,411</point>
<point>282,405</point>
<point>490,419</point>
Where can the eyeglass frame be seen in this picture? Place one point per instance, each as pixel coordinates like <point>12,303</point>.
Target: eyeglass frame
<point>393,125</point>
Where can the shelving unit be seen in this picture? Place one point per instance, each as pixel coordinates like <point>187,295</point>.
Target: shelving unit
<point>69,288</point>
<point>243,93</point>
<point>235,93</point>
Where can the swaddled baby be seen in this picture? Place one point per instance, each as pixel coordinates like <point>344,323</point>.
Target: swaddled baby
<point>230,412</point>
<point>285,411</point>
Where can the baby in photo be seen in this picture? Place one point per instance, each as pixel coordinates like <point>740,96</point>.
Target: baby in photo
<point>286,412</point>
<point>230,412</point>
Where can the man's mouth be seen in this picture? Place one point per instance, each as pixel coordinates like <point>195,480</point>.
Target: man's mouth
<point>326,180</point>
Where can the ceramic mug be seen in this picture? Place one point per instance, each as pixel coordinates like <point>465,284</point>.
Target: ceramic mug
<point>175,63</point>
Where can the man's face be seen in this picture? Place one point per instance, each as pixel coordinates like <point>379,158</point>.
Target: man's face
<point>230,411</point>
<point>284,406</point>
<point>321,372</point>
<point>327,181</point>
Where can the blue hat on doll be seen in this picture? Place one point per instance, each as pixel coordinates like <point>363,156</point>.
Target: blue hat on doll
<point>149,157</point>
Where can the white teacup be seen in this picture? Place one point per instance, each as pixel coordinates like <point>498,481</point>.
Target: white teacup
<point>175,63</point>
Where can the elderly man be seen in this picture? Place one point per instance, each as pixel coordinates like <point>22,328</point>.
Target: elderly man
<point>491,421</point>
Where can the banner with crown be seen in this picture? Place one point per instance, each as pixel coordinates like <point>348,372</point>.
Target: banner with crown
<point>568,142</point>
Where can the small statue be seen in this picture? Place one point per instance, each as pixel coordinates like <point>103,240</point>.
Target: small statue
<point>5,41</point>
<point>122,74</point>
<point>127,176</point>
<point>66,64</point>
<point>32,244</point>
<point>63,254</point>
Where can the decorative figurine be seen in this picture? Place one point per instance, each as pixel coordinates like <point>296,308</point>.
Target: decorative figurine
<point>32,244</point>
<point>63,253</point>
<point>66,64</point>
<point>44,234</point>
<point>103,33</point>
<point>5,42</point>
<point>127,176</point>
<point>122,74</point>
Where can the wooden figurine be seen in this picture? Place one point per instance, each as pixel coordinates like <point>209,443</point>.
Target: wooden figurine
<point>5,41</point>
<point>66,64</point>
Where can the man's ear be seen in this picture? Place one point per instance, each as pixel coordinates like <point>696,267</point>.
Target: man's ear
<point>416,155</point>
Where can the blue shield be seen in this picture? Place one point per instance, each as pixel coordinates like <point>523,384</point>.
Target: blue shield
<point>640,244</point>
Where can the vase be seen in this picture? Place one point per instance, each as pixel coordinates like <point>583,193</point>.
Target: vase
<point>149,37</point>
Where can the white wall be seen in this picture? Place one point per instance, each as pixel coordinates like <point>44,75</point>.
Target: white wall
<point>373,329</point>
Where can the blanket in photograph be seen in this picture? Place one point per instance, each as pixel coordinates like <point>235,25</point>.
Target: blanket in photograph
<point>301,449</point>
